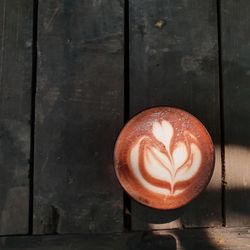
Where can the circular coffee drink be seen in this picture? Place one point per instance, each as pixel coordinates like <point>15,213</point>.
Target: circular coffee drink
<point>164,157</point>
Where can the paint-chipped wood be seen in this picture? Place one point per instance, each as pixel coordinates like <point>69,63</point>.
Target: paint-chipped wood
<point>15,99</point>
<point>174,62</point>
<point>79,111</point>
<point>188,239</point>
<point>235,23</point>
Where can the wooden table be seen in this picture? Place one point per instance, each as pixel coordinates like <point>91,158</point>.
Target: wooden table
<point>72,73</point>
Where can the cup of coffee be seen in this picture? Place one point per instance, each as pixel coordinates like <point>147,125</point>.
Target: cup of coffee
<point>164,157</point>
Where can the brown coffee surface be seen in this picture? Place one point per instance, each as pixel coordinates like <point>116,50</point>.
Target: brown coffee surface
<point>164,157</point>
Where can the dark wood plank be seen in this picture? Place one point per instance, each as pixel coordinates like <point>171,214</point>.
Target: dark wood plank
<point>131,241</point>
<point>188,239</point>
<point>236,77</point>
<point>79,111</point>
<point>174,62</point>
<point>15,98</point>
<point>213,239</point>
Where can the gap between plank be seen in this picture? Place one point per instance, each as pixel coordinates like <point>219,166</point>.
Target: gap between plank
<point>222,122</point>
<point>32,114</point>
<point>126,197</point>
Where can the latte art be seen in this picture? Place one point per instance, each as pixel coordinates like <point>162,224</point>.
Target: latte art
<point>160,169</point>
<point>164,157</point>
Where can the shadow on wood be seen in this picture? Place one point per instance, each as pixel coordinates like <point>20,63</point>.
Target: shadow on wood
<point>158,217</point>
<point>187,239</point>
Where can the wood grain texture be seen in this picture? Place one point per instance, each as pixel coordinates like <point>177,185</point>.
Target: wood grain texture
<point>174,62</point>
<point>79,111</point>
<point>235,23</point>
<point>188,239</point>
<point>15,98</point>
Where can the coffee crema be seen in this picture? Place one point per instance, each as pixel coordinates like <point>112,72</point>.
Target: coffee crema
<point>164,157</point>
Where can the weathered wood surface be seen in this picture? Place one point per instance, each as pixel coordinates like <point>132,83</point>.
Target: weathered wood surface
<point>174,61</point>
<point>79,111</point>
<point>15,100</point>
<point>213,239</point>
<point>188,239</point>
<point>236,77</point>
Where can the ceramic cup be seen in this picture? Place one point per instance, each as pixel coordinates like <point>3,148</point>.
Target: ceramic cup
<point>164,157</point>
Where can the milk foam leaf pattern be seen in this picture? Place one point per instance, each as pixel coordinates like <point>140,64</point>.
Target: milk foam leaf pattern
<point>160,163</point>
